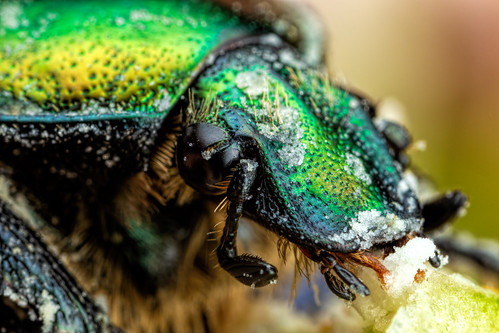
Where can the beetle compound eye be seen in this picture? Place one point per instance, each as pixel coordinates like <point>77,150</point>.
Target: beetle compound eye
<point>205,157</point>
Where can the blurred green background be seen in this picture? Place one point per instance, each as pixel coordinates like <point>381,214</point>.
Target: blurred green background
<point>439,59</point>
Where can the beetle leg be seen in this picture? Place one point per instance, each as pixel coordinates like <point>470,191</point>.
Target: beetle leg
<point>397,135</point>
<point>351,280</point>
<point>397,138</point>
<point>443,209</point>
<point>368,260</point>
<point>344,274</point>
<point>481,254</point>
<point>335,285</point>
<point>248,269</point>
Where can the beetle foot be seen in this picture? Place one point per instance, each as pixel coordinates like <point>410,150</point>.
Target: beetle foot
<point>397,138</point>
<point>250,270</point>
<point>336,286</point>
<point>349,282</point>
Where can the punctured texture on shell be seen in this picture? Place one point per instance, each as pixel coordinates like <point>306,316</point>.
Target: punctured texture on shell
<point>100,57</point>
<point>328,180</point>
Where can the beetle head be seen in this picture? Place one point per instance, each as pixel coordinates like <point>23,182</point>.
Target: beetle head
<point>326,177</point>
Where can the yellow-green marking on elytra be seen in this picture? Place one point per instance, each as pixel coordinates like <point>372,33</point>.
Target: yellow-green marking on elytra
<point>135,56</point>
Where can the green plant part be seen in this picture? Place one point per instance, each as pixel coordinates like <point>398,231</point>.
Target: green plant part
<point>119,122</point>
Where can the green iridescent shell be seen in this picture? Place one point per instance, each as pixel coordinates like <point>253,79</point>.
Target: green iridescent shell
<point>115,71</point>
<point>97,97</point>
<point>61,59</point>
<point>329,180</point>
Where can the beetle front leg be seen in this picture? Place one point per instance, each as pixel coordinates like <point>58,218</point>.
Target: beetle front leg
<point>248,269</point>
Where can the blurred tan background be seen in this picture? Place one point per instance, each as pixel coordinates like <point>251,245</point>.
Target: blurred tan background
<point>440,60</point>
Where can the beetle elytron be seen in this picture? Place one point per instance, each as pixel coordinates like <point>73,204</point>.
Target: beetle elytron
<point>118,122</point>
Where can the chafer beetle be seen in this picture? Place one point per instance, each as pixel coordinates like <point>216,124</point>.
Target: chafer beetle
<point>116,117</point>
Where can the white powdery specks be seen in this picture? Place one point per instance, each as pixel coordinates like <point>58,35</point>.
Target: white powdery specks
<point>408,183</point>
<point>164,102</point>
<point>293,154</point>
<point>119,21</point>
<point>368,226</point>
<point>289,133</point>
<point>141,15</point>
<point>373,220</point>
<point>48,310</point>
<point>206,154</point>
<point>355,166</point>
<point>254,83</point>
<point>9,15</point>
<point>405,263</point>
<point>287,57</point>
<point>278,123</point>
<point>248,165</point>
